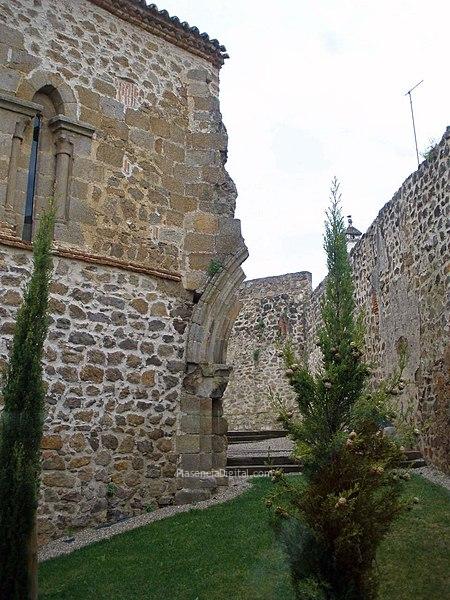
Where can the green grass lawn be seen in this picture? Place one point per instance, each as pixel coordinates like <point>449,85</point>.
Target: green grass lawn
<point>228,552</point>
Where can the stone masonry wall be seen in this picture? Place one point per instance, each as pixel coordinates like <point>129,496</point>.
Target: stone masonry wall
<point>150,187</point>
<point>273,309</point>
<point>133,150</point>
<point>114,363</point>
<point>401,269</point>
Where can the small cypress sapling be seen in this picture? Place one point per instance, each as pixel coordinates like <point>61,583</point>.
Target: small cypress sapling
<point>332,525</point>
<point>21,425</point>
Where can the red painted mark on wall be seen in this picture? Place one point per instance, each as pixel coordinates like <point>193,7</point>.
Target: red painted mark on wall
<point>127,93</point>
<point>375,309</point>
<point>283,326</point>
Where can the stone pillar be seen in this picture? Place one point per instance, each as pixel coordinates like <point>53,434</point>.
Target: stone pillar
<point>219,436</point>
<point>65,131</point>
<point>15,115</point>
<point>201,440</point>
<point>64,151</point>
<point>17,139</point>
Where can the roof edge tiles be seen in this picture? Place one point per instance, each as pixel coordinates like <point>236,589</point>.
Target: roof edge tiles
<point>160,23</point>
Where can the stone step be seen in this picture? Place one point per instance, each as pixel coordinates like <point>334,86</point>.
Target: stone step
<point>239,437</point>
<point>415,463</point>
<point>251,465</point>
<point>263,469</point>
<point>261,460</point>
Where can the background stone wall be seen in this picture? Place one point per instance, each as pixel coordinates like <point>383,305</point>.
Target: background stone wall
<point>401,269</point>
<point>273,309</point>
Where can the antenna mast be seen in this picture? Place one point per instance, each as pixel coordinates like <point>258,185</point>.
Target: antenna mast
<point>408,93</point>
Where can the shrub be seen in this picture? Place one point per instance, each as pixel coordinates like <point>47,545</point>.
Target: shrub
<point>331,527</point>
<point>21,428</point>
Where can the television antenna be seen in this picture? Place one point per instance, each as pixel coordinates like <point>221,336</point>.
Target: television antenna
<point>408,93</point>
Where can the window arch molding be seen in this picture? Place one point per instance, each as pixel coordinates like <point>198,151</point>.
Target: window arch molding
<point>55,87</point>
<point>43,101</point>
<point>44,176</point>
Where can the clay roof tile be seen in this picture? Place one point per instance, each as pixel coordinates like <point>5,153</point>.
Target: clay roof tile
<point>161,24</point>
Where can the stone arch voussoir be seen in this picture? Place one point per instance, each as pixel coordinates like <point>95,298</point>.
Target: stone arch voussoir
<point>202,434</point>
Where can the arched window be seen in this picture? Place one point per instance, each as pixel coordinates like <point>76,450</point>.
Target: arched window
<point>31,183</point>
<point>41,169</point>
<point>44,131</point>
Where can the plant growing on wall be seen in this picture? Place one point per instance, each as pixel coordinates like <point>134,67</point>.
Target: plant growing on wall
<point>260,325</point>
<point>215,266</point>
<point>331,525</point>
<point>21,428</point>
<point>432,151</point>
<point>256,354</point>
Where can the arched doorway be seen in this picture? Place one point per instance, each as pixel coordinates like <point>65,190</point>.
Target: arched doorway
<point>201,440</point>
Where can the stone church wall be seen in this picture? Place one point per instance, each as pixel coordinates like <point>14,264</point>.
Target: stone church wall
<point>133,150</point>
<point>141,125</point>
<point>273,310</point>
<point>114,364</point>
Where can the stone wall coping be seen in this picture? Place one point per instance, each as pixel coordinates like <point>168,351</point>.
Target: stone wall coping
<point>276,278</point>
<point>390,205</point>
<point>63,123</point>
<point>396,197</point>
<point>162,25</point>
<point>96,259</point>
<point>17,105</point>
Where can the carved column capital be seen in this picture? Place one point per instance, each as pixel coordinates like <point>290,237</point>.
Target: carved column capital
<point>21,125</point>
<point>63,145</point>
<point>63,124</point>
<point>17,105</point>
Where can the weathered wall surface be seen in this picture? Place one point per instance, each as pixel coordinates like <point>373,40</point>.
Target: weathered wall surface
<point>114,366</point>
<point>401,269</point>
<point>133,149</point>
<point>147,181</point>
<point>273,309</point>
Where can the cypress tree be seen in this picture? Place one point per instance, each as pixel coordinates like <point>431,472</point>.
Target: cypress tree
<point>21,424</point>
<point>332,523</point>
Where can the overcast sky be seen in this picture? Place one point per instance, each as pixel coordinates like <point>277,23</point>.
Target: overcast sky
<point>315,88</point>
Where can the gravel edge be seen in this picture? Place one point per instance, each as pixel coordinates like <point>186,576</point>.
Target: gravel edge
<point>434,476</point>
<point>89,536</point>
